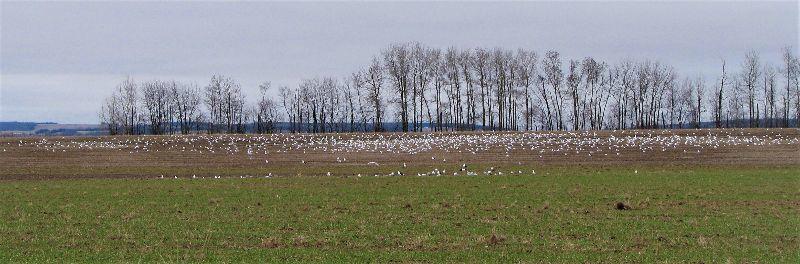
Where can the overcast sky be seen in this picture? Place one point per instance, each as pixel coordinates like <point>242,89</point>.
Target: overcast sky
<point>59,60</point>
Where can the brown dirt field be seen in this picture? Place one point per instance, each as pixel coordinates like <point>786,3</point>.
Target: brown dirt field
<point>353,154</point>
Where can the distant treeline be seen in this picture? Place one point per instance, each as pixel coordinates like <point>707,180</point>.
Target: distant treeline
<point>19,126</point>
<point>420,88</point>
<point>48,129</point>
<point>278,127</point>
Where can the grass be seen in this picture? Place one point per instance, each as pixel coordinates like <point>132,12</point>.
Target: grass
<point>710,214</point>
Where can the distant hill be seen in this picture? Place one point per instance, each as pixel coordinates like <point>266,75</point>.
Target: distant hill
<point>21,126</point>
<point>48,128</point>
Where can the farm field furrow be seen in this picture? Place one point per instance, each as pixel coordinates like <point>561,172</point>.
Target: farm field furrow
<point>370,154</point>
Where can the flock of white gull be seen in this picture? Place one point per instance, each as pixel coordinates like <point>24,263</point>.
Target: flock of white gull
<point>531,144</point>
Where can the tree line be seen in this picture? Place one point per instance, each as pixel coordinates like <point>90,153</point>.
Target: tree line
<point>412,87</point>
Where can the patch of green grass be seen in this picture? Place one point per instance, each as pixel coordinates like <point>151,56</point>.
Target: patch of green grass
<point>557,215</point>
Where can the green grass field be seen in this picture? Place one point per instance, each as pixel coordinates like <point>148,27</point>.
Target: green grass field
<point>557,215</point>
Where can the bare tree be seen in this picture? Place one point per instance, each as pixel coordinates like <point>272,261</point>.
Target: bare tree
<point>736,114</point>
<point>796,81</point>
<point>674,97</point>
<point>420,79</point>
<point>111,114</point>
<point>329,96</point>
<point>627,72</point>
<point>769,95</point>
<point>361,91</point>
<point>156,97</point>
<point>429,76</point>
<point>128,100</point>
<point>439,76</point>
<point>265,111</point>
<point>574,79</point>
<point>213,101</point>
<point>596,94</point>
<point>685,109</point>
<point>698,92</point>
<point>527,80</point>
<point>288,101</point>
<point>500,77</point>
<point>719,98</point>
<point>225,102</point>
<point>749,80</point>
<point>615,80</point>
<point>374,79</point>
<point>453,72</point>
<point>187,105</point>
<point>398,66</point>
<point>789,72</point>
<point>482,68</point>
<point>465,62</point>
<point>554,77</point>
